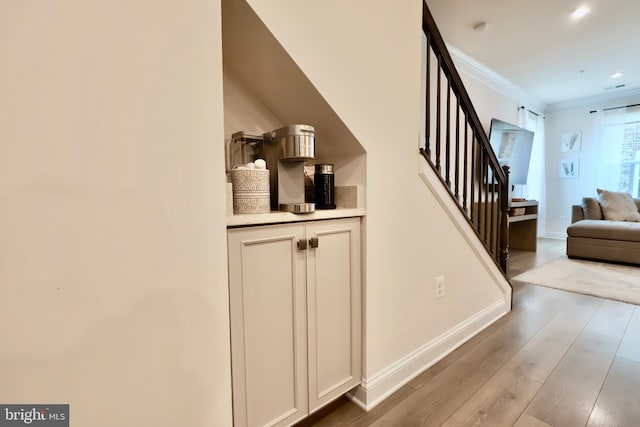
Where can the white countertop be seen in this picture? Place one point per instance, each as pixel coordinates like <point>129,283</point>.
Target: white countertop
<point>276,217</point>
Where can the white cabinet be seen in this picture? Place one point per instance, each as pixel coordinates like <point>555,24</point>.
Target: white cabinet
<point>267,294</point>
<point>295,318</point>
<point>333,309</point>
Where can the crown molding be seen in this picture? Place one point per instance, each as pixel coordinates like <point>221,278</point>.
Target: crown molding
<point>599,101</point>
<point>485,75</point>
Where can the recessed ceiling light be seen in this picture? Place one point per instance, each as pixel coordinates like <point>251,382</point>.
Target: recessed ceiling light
<point>616,75</point>
<point>481,27</point>
<point>579,12</point>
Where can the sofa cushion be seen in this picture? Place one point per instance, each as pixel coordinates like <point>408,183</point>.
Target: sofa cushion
<point>591,208</point>
<point>618,206</point>
<point>605,229</point>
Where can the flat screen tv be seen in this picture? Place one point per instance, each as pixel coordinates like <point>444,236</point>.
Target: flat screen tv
<point>512,146</point>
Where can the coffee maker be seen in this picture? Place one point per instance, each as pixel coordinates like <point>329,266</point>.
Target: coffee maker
<point>286,150</point>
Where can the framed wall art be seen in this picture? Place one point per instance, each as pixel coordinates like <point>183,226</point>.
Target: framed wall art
<point>571,141</point>
<point>569,168</point>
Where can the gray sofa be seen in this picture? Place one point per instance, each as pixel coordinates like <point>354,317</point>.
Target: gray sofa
<point>590,236</point>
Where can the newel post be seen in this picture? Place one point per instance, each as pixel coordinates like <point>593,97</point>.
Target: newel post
<point>504,224</point>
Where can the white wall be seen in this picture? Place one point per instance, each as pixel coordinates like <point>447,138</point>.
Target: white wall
<point>365,61</point>
<point>570,117</point>
<point>493,96</point>
<point>562,193</point>
<point>113,288</point>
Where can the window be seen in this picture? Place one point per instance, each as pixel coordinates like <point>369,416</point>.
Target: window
<point>630,160</point>
<point>619,159</point>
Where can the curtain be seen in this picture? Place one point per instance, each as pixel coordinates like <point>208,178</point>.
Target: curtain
<point>535,188</point>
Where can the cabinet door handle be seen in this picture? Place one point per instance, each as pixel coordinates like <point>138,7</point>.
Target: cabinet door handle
<point>302,245</point>
<point>313,242</point>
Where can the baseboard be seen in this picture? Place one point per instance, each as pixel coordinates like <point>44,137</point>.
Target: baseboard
<point>375,389</point>
<point>557,236</point>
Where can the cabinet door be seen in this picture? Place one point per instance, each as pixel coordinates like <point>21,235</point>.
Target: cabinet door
<point>334,307</point>
<point>268,325</point>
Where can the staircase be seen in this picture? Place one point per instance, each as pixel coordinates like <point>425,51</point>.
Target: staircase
<point>458,149</point>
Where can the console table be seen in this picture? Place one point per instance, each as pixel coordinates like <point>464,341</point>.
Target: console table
<point>523,231</point>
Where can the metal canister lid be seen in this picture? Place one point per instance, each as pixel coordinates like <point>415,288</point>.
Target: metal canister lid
<point>246,137</point>
<point>324,168</point>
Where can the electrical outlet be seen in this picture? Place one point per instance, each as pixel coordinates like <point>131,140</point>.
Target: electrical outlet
<point>439,287</point>
<point>561,220</point>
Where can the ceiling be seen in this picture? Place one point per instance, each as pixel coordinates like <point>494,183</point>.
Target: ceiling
<point>538,47</point>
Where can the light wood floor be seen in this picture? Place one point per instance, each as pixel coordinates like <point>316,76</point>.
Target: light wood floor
<point>558,359</point>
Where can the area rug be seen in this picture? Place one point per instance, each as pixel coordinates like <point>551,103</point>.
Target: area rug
<point>612,281</point>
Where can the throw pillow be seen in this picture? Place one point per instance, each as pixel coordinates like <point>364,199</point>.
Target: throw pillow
<point>618,206</point>
<point>591,208</point>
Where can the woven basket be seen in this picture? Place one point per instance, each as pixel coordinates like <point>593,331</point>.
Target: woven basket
<point>250,191</point>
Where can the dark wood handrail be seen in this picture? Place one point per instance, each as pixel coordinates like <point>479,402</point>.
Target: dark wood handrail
<point>446,63</point>
<point>485,184</point>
